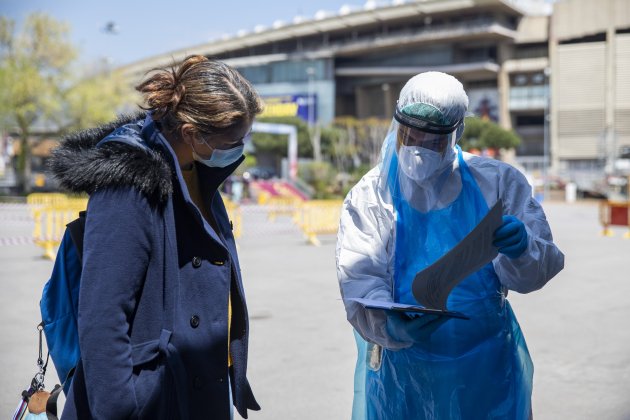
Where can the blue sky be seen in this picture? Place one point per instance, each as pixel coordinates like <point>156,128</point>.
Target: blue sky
<point>148,28</point>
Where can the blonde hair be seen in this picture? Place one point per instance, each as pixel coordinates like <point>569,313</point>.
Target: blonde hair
<point>210,95</point>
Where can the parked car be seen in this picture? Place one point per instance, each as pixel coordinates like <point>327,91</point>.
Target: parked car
<point>258,172</point>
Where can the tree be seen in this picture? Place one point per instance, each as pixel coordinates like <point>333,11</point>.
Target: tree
<point>94,99</point>
<point>497,137</point>
<point>343,147</point>
<point>34,65</point>
<point>361,143</point>
<point>484,134</point>
<point>38,85</point>
<point>372,132</point>
<point>277,144</point>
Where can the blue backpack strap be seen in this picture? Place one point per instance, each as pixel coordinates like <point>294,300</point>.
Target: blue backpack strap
<point>59,302</point>
<point>76,228</point>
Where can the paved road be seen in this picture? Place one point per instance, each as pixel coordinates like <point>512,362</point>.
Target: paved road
<point>302,351</point>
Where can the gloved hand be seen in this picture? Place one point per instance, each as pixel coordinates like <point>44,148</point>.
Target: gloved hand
<point>408,330</point>
<point>511,237</point>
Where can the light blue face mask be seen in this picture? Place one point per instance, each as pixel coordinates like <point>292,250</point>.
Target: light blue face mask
<point>221,158</point>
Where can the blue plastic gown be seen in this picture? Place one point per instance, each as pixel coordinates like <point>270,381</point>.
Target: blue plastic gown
<point>469,369</point>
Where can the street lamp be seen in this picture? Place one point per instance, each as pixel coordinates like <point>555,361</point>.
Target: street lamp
<point>310,71</point>
<point>313,128</point>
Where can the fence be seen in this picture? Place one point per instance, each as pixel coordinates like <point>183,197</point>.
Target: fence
<point>51,213</point>
<point>235,215</point>
<point>282,205</point>
<point>313,218</point>
<point>38,200</point>
<point>319,217</point>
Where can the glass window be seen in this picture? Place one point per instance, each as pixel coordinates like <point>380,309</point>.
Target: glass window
<point>255,74</point>
<point>520,80</point>
<point>286,71</point>
<point>298,71</point>
<point>538,79</point>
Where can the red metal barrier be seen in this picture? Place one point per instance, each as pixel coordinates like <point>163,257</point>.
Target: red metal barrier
<point>614,213</point>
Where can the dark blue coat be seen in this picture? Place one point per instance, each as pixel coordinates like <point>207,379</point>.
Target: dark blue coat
<point>153,302</point>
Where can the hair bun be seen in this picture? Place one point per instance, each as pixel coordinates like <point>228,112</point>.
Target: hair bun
<point>179,90</point>
<point>208,94</point>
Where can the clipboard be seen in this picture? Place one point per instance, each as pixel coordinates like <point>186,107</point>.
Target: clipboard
<point>406,309</point>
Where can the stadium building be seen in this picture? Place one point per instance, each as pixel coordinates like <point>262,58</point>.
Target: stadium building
<point>355,61</point>
<point>590,100</point>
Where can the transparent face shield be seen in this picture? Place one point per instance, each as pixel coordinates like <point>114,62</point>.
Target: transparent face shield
<point>418,132</point>
<point>415,159</point>
<point>412,137</point>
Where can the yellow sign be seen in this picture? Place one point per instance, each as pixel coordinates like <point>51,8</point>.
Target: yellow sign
<point>279,109</point>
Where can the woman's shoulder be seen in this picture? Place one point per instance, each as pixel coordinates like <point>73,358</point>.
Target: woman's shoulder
<point>122,201</point>
<point>99,159</point>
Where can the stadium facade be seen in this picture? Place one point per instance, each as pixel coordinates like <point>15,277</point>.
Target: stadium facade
<point>523,63</point>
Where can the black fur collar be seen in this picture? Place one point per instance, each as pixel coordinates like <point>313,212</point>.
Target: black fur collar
<point>80,166</point>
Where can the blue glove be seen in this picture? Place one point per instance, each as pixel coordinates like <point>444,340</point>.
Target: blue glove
<point>408,330</point>
<point>511,237</point>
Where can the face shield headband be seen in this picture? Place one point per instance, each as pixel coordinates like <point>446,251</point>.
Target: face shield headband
<point>424,125</point>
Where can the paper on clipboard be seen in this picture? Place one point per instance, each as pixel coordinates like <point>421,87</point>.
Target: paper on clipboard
<point>432,285</point>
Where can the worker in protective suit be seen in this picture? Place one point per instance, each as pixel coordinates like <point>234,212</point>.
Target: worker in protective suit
<point>423,197</point>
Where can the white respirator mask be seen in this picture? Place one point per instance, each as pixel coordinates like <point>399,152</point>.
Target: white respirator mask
<point>420,164</point>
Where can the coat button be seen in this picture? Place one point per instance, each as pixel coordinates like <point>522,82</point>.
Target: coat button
<point>194,321</point>
<point>196,262</point>
<point>220,380</point>
<point>197,382</point>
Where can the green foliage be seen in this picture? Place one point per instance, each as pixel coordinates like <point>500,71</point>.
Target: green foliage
<point>277,143</point>
<point>249,162</point>
<point>320,176</point>
<point>331,138</point>
<point>94,100</point>
<point>360,143</point>
<point>35,64</point>
<point>499,138</point>
<point>482,133</point>
<point>472,133</point>
<point>39,84</point>
<point>33,67</point>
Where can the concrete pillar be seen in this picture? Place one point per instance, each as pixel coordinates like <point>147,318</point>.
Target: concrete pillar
<point>389,100</point>
<point>361,100</point>
<point>554,143</point>
<point>611,87</point>
<point>503,83</point>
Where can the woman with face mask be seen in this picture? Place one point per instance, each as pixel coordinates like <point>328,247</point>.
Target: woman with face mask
<point>163,325</point>
<point>421,200</point>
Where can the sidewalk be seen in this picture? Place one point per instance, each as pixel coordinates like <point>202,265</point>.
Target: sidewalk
<point>302,352</point>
